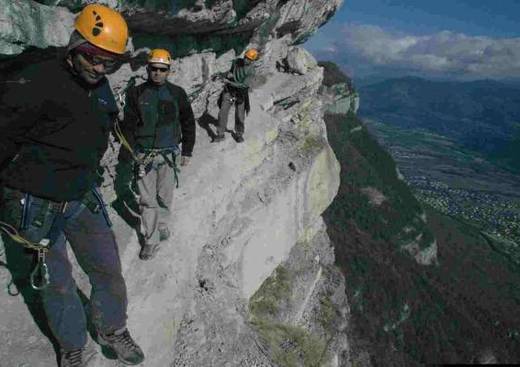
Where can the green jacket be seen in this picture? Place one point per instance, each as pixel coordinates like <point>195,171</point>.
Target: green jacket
<point>238,82</point>
<point>240,74</point>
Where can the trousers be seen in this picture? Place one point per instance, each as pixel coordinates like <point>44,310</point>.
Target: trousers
<point>93,243</point>
<point>240,114</point>
<point>155,189</point>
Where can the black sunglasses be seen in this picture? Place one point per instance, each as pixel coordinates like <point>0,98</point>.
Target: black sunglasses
<point>95,60</point>
<point>162,70</point>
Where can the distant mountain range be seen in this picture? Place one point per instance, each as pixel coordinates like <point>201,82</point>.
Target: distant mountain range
<point>481,115</point>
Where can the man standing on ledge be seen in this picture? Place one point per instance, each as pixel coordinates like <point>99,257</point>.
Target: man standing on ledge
<point>54,126</point>
<point>237,84</point>
<point>158,117</point>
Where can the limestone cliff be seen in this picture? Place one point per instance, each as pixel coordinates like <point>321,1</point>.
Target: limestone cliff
<point>337,91</point>
<point>248,277</point>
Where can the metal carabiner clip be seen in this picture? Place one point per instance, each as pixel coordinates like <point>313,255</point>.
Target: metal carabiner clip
<point>40,278</point>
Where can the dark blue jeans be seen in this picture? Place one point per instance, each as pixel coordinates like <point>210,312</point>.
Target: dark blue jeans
<point>89,234</point>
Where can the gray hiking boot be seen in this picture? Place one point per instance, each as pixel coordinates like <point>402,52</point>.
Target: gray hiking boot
<point>164,234</point>
<point>148,251</point>
<point>73,358</point>
<point>219,138</point>
<point>123,345</point>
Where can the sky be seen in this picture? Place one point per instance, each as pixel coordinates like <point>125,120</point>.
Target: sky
<point>438,39</point>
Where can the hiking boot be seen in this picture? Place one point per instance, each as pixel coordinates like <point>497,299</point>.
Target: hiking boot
<point>219,138</point>
<point>123,345</point>
<point>73,358</point>
<point>239,138</point>
<point>164,234</point>
<point>148,251</point>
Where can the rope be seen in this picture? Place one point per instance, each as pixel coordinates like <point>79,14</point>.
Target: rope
<point>124,142</point>
<point>16,237</point>
<point>39,277</point>
<point>117,128</point>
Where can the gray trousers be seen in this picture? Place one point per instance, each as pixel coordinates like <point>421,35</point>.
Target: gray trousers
<point>240,114</point>
<point>155,191</point>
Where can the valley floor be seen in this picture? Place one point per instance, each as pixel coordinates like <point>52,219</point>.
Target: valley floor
<point>455,181</point>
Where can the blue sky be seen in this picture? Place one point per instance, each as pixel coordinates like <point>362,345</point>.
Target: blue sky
<point>451,39</point>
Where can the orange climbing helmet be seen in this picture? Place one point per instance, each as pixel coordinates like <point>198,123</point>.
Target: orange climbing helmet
<point>251,54</point>
<point>103,27</point>
<point>160,56</point>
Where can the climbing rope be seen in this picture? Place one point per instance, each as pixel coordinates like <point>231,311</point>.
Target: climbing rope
<point>16,237</point>
<point>39,277</point>
<point>124,142</point>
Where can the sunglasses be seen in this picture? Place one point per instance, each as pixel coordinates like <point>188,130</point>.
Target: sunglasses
<point>95,60</point>
<point>162,70</point>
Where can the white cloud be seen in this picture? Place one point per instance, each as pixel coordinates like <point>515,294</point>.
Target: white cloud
<point>331,49</point>
<point>440,53</point>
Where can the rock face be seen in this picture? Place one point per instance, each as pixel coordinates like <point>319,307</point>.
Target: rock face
<point>192,25</point>
<point>26,23</point>
<point>339,99</point>
<point>337,91</point>
<point>299,60</point>
<point>243,214</point>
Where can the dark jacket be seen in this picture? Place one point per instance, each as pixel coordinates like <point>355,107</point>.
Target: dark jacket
<point>53,130</point>
<point>159,117</point>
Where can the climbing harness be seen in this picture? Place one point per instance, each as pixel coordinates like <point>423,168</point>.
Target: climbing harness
<point>232,99</point>
<point>150,154</point>
<point>143,164</point>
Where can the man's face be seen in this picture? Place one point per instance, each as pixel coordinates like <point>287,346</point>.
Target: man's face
<point>91,68</point>
<point>158,73</point>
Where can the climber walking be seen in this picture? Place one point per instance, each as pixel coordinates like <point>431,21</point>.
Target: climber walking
<point>236,92</point>
<point>158,118</point>
<point>54,129</point>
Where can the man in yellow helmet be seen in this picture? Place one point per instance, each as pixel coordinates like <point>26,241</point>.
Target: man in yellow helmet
<point>235,92</point>
<point>55,118</point>
<point>158,119</point>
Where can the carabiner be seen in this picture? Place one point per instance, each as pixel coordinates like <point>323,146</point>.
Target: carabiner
<point>40,278</point>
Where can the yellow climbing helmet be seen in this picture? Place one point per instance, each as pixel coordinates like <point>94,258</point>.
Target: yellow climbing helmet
<point>103,27</point>
<point>251,54</point>
<point>160,56</point>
